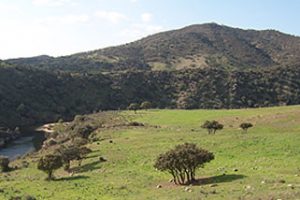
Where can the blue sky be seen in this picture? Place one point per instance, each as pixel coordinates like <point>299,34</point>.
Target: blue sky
<point>62,27</point>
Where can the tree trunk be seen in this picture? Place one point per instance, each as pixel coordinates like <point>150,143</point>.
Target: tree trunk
<point>50,175</point>
<point>174,177</point>
<point>182,178</point>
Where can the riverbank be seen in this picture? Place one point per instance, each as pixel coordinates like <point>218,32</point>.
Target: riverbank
<point>8,135</point>
<point>26,140</point>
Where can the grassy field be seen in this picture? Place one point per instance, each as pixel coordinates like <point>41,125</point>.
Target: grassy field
<point>262,164</point>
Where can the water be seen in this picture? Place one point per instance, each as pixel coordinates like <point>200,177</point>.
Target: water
<point>30,141</point>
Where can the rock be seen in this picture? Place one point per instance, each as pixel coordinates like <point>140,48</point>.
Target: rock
<point>235,170</point>
<point>248,187</point>
<point>281,181</point>
<point>291,186</point>
<point>101,159</point>
<point>213,185</point>
<point>263,182</point>
<point>171,180</point>
<point>29,198</point>
<point>158,186</point>
<point>213,192</point>
<point>187,189</point>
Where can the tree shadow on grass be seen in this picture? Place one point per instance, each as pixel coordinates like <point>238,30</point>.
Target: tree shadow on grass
<point>218,179</point>
<point>71,178</point>
<point>87,167</point>
<point>92,156</point>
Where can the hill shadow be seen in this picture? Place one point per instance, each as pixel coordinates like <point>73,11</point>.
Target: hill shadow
<point>87,167</point>
<point>71,178</point>
<point>218,179</point>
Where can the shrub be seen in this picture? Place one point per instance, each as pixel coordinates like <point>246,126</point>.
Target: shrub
<point>245,126</point>
<point>83,131</point>
<point>134,107</point>
<point>135,124</point>
<point>212,126</point>
<point>83,152</point>
<point>146,105</point>
<point>78,141</point>
<point>49,164</point>
<point>182,162</point>
<point>4,164</point>
<point>68,154</point>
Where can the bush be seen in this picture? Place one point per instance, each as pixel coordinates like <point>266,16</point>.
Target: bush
<point>68,154</point>
<point>135,124</point>
<point>134,107</point>
<point>83,131</point>
<point>78,141</point>
<point>83,152</point>
<point>182,162</point>
<point>4,164</point>
<point>146,105</point>
<point>246,126</point>
<point>212,126</point>
<point>49,164</point>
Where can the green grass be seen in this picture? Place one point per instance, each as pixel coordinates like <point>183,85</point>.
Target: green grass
<point>267,159</point>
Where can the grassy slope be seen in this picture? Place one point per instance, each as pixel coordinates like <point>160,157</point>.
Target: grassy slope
<point>269,152</point>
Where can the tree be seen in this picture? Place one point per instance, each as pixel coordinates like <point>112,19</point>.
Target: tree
<point>4,164</point>
<point>68,154</point>
<point>245,126</point>
<point>134,107</point>
<point>182,162</point>
<point>146,105</point>
<point>78,141</point>
<point>71,153</point>
<point>212,126</point>
<point>83,152</point>
<point>83,131</point>
<point>49,164</point>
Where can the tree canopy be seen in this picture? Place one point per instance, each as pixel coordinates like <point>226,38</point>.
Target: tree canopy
<point>182,162</point>
<point>212,126</point>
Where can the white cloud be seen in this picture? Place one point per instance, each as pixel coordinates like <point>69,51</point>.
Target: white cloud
<point>66,19</point>
<point>9,8</point>
<point>51,3</point>
<point>111,16</point>
<point>146,17</point>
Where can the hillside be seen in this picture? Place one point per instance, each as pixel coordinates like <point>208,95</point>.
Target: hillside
<point>262,164</point>
<point>31,96</point>
<point>199,66</point>
<point>196,46</point>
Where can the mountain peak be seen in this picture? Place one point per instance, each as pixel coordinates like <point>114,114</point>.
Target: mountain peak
<point>194,46</point>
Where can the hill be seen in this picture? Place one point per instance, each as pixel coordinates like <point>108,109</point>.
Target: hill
<point>262,164</point>
<point>32,96</point>
<point>199,66</point>
<point>196,46</point>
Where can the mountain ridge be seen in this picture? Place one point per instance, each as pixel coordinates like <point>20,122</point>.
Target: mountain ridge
<point>194,46</point>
